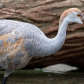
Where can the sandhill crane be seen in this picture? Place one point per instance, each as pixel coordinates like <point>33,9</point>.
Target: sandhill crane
<point>20,41</point>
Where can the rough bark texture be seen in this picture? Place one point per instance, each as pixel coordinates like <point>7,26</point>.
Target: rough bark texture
<point>45,14</point>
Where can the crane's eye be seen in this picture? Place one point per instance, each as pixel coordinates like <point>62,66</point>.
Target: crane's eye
<point>78,15</point>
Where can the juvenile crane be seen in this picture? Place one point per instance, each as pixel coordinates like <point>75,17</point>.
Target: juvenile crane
<point>20,41</point>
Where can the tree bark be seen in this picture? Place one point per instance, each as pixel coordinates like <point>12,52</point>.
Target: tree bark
<point>45,14</point>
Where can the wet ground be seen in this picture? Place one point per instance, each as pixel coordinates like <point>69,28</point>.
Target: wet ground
<point>40,77</point>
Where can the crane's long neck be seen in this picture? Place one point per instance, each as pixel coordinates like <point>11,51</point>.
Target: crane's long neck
<point>56,43</point>
<point>62,29</point>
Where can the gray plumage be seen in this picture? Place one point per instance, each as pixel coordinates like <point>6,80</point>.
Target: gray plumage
<point>35,41</point>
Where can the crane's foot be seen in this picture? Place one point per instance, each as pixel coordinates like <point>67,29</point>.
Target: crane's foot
<point>4,80</point>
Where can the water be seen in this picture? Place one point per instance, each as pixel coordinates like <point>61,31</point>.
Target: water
<point>40,77</point>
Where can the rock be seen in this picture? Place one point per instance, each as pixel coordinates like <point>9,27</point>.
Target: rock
<point>59,68</point>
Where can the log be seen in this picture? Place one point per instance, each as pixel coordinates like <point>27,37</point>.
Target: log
<point>45,14</point>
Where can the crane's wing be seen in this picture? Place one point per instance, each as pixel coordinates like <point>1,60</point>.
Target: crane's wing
<point>12,31</point>
<point>7,26</point>
<point>12,50</point>
<point>19,37</point>
<point>29,30</point>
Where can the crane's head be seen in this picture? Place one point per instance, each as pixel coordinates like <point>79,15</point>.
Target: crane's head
<point>72,15</point>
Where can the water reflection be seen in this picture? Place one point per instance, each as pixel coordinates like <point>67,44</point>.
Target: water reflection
<point>40,77</point>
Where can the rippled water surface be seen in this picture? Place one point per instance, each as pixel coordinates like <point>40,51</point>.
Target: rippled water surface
<point>40,77</point>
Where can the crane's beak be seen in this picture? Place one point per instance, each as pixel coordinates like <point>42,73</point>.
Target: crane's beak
<point>82,17</point>
<point>82,20</point>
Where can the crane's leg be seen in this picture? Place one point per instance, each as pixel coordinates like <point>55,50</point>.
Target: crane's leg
<point>6,74</point>
<point>4,80</point>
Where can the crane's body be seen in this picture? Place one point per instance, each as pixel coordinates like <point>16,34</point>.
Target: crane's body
<point>17,39</point>
<point>20,41</point>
